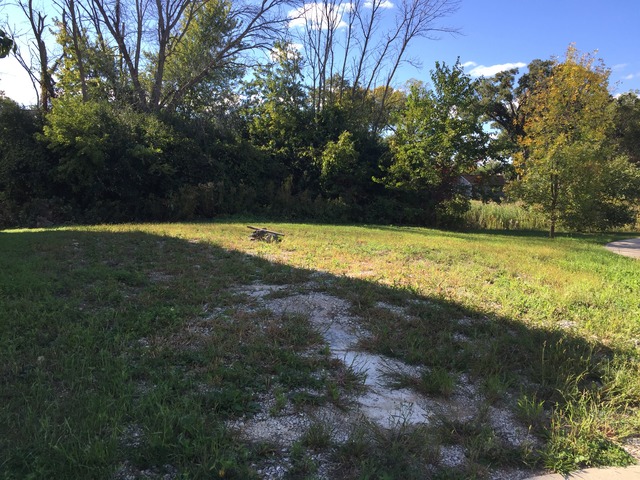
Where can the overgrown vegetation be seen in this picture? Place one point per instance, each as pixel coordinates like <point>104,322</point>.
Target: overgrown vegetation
<point>277,110</point>
<point>503,216</point>
<point>127,349</point>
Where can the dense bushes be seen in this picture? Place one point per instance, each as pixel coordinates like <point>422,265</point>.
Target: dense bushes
<point>103,161</point>
<point>96,162</point>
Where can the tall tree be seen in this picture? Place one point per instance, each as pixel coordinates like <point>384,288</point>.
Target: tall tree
<point>438,137</point>
<point>202,36</point>
<point>504,100</point>
<point>195,52</point>
<point>162,50</point>
<point>570,171</point>
<point>42,73</point>
<point>88,66</point>
<point>278,117</point>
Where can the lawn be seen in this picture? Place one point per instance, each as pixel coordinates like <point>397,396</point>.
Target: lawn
<point>155,351</point>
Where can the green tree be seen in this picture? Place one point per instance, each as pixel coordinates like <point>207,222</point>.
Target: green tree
<point>279,120</point>
<point>110,158</point>
<point>627,125</point>
<point>87,67</point>
<point>25,167</point>
<point>339,167</point>
<point>205,33</point>
<point>504,102</point>
<point>438,136</point>
<point>570,170</point>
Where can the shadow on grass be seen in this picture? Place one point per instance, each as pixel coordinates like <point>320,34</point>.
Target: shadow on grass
<point>100,380</point>
<point>598,237</point>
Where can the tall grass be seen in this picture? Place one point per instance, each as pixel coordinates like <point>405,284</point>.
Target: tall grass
<point>505,216</point>
<point>514,216</point>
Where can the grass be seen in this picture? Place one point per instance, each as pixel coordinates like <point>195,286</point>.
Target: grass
<point>105,371</point>
<point>505,216</point>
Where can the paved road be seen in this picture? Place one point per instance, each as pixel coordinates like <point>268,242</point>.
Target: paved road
<point>628,248</point>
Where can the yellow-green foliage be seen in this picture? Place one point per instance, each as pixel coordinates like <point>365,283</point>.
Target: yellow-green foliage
<point>503,216</point>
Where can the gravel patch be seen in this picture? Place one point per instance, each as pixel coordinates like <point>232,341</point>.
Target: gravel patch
<point>378,403</point>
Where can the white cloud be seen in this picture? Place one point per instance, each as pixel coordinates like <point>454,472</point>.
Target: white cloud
<point>378,3</point>
<point>319,16</point>
<point>619,66</point>
<point>631,76</point>
<point>483,71</point>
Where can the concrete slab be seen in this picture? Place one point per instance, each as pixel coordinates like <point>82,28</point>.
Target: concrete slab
<point>629,473</point>
<point>628,248</point>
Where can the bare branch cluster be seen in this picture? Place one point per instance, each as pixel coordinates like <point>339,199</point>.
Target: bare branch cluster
<point>142,36</point>
<point>363,42</point>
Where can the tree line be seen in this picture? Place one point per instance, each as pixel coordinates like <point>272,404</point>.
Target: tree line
<point>183,109</point>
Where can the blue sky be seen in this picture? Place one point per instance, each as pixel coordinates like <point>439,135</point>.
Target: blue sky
<point>497,33</point>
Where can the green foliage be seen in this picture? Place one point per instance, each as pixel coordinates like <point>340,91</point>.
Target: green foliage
<point>567,164</point>
<point>117,163</point>
<point>196,51</point>
<point>339,164</point>
<point>7,45</point>
<point>107,156</point>
<point>88,68</point>
<point>531,411</point>
<point>25,181</point>
<point>581,434</point>
<point>372,451</point>
<point>22,162</point>
<point>438,137</point>
<point>321,162</point>
<point>279,121</point>
<point>504,103</point>
<point>626,119</point>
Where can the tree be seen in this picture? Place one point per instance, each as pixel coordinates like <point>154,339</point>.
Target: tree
<point>43,73</point>
<point>570,170</point>
<point>196,51</point>
<point>7,45</point>
<point>88,67</point>
<point>161,51</point>
<point>362,43</point>
<point>504,101</point>
<point>191,41</point>
<point>438,137</point>
<point>339,166</point>
<point>627,125</point>
<point>278,118</point>
<point>24,164</point>
<point>110,157</point>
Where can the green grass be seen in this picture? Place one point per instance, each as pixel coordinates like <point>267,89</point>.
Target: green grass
<point>101,371</point>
